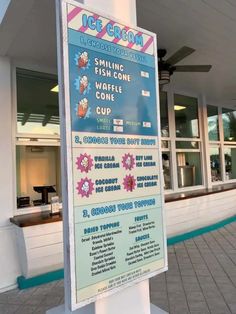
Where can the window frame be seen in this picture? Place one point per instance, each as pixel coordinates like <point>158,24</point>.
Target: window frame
<point>215,144</point>
<point>221,144</point>
<point>168,150</point>
<point>45,139</point>
<point>29,135</point>
<point>173,139</point>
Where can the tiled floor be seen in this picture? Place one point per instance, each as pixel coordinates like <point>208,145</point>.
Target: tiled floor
<point>201,276</point>
<point>201,279</point>
<point>33,300</point>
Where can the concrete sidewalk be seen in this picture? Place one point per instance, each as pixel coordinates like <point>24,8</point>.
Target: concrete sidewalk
<point>201,279</point>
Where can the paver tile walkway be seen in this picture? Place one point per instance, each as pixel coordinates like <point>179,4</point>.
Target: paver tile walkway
<point>201,276</point>
<point>201,279</point>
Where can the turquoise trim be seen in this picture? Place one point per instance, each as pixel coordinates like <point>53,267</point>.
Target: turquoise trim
<point>24,283</point>
<point>197,232</point>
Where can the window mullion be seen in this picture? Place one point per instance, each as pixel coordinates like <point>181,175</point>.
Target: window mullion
<point>206,152</point>
<point>221,134</point>
<point>171,116</point>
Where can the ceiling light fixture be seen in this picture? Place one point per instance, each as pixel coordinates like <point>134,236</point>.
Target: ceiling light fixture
<point>55,89</point>
<point>177,107</point>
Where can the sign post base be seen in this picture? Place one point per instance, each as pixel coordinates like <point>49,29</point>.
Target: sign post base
<point>156,310</point>
<point>89,309</point>
<point>133,300</point>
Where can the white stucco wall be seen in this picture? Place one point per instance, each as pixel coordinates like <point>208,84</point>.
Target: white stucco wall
<point>194,213</point>
<point>9,264</point>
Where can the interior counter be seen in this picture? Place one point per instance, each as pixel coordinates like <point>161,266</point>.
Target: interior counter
<point>27,220</point>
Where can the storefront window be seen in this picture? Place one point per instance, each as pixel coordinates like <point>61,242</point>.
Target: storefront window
<point>189,169</point>
<point>164,114</point>
<point>230,163</point>
<point>215,164</point>
<point>37,166</point>
<point>37,103</point>
<point>37,134</point>
<point>186,116</point>
<point>213,125</point>
<point>165,144</point>
<point>229,124</point>
<point>187,144</point>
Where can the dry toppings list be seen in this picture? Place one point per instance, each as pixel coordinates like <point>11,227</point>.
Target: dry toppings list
<point>118,223</point>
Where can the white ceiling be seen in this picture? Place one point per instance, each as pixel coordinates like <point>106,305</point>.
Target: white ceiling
<point>28,34</point>
<point>209,26</point>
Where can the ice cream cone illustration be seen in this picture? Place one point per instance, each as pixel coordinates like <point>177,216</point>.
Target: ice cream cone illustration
<point>83,60</point>
<point>85,187</point>
<point>82,108</point>
<point>129,183</point>
<point>128,161</point>
<point>84,163</point>
<point>83,84</point>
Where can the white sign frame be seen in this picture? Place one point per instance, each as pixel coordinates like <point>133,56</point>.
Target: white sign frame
<point>66,159</point>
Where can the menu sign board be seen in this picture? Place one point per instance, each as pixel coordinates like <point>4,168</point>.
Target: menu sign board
<point>115,211</point>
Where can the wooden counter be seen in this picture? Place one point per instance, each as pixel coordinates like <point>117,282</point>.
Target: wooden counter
<point>40,218</point>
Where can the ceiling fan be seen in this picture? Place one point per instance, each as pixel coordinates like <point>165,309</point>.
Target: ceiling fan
<point>168,67</point>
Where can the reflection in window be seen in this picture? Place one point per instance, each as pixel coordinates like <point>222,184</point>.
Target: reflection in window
<point>213,126</point>
<point>164,114</point>
<point>215,164</point>
<point>186,116</point>
<point>37,105</point>
<point>165,144</point>
<point>166,170</point>
<point>187,145</point>
<point>229,124</point>
<point>230,163</point>
<point>189,169</point>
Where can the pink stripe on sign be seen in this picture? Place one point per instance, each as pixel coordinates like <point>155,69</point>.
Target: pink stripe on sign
<point>83,29</point>
<point>73,14</point>
<point>148,43</point>
<point>115,41</point>
<point>130,45</point>
<point>104,30</point>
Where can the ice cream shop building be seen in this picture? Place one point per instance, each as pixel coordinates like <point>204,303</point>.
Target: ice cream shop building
<point>197,84</point>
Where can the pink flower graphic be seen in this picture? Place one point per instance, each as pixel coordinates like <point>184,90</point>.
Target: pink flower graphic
<point>84,163</point>
<point>128,161</point>
<point>129,183</point>
<point>85,187</point>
